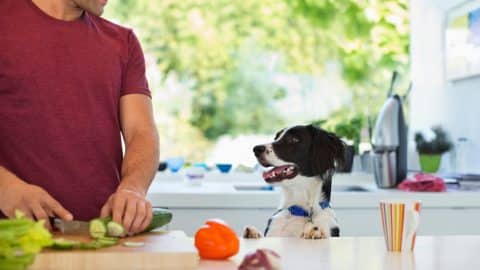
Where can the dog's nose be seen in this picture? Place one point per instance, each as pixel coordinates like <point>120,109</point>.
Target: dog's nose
<point>258,150</point>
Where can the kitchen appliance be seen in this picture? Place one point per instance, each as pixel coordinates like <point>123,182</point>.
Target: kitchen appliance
<point>389,142</point>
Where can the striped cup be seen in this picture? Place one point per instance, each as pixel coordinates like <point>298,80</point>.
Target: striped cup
<point>400,220</point>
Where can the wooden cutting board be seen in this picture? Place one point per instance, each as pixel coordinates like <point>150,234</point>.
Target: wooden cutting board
<point>162,250</point>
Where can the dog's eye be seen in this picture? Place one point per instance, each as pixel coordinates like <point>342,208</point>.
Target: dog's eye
<point>292,140</point>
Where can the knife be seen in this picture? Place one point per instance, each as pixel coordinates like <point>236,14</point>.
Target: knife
<point>71,227</point>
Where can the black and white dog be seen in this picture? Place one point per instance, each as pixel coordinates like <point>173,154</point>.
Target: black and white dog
<point>304,159</point>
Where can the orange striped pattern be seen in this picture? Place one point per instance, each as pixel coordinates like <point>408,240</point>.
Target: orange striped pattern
<point>393,218</point>
<point>417,208</point>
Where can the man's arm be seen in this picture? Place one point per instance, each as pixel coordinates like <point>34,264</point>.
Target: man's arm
<point>141,142</point>
<point>128,205</point>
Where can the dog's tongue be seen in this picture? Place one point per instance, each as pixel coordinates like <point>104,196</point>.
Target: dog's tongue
<point>279,173</point>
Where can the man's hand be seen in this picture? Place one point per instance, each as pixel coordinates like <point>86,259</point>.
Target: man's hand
<point>129,208</point>
<point>33,201</point>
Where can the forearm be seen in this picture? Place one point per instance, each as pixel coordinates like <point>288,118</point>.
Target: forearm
<point>7,178</point>
<point>141,161</point>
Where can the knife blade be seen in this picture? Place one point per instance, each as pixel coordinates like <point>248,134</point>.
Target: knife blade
<point>71,227</point>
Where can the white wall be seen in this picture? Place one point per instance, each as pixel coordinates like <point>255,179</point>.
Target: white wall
<point>434,100</point>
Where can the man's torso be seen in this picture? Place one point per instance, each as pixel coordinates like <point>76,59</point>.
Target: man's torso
<point>59,98</point>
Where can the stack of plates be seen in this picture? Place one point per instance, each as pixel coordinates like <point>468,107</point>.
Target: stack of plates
<point>463,181</point>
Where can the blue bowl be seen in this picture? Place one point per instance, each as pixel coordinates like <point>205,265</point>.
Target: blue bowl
<point>224,167</point>
<point>175,164</point>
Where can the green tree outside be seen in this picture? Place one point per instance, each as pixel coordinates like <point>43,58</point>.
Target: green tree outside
<point>223,47</point>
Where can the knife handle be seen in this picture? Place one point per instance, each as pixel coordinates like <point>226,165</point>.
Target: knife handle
<point>52,223</point>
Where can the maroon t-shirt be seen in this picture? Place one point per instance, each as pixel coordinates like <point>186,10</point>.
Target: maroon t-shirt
<point>60,86</point>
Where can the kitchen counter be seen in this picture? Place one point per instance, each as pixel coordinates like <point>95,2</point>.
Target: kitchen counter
<point>435,253</point>
<point>170,250</point>
<point>229,196</point>
<point>219,190</point>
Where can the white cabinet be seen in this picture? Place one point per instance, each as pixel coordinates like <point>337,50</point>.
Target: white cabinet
<point>455,212</point>
<point>189,220</point>
<point>433,221</point>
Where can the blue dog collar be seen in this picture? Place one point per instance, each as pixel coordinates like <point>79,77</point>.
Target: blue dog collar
<point>324,204</point>
<point>298,211</point>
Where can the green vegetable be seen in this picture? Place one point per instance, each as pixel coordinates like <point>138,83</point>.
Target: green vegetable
<point>98,227</point>
<point>61,243</point>
<point>133,244</point>
<point>101,227</point>
<point>96,244</point>
<point>20,240</point>
<point>17,263</point>
<point>115,230</point>
<point>108,240</point>
<point>160,217</point>
<point>92,245</point>
<point>99,243</point>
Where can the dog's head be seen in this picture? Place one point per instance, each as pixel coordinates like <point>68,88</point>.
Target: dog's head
<point>300,150</point>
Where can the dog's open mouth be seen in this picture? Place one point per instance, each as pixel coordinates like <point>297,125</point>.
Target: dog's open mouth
<point>280,173</point>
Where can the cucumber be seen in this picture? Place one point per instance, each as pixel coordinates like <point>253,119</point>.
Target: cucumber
<point>133,244</point>
<point>62,244</point>
<point>102,227</point>
<point>160,217</point>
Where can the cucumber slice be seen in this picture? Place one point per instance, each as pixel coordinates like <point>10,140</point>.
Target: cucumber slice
<point>133,244</point>
<point>91,245</point>
<point>97,244</point>
<point>63,244</point>
<point>108,240</point>
<point>115,230</point>
<point>98,227</point>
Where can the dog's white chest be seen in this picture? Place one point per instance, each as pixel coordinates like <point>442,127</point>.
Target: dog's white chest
<point>286,225</point>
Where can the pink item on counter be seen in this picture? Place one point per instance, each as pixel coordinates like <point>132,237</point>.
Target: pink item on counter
<point>423,182</point>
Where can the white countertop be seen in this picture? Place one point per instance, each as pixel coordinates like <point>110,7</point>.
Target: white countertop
<point>431,253</point>
<point>218,191</point>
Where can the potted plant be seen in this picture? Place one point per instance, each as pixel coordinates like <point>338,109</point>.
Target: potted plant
<point>430,151</point>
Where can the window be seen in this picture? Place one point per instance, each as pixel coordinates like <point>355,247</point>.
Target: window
<point>226,75</point>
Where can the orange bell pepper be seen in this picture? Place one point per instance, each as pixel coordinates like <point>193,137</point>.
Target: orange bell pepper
<point>216,240</point>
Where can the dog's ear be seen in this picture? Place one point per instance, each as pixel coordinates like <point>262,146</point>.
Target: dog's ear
<point>327,151</point>
<point>278,134</point>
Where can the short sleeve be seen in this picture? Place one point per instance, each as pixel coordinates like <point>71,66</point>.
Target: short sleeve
<point>134,80</point>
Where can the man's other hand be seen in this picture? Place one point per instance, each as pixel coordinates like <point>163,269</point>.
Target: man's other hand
<point>129,208</point>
